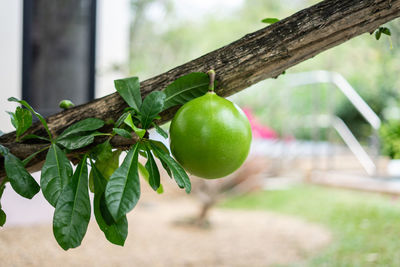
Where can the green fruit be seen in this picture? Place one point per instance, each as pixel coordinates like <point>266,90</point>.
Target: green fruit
<point>210,136</point>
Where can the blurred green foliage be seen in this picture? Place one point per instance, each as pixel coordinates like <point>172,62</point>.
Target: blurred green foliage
<point>390,137</point>
<point>159,43</point>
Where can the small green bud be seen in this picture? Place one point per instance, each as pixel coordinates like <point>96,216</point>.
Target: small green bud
<point>66,104</point>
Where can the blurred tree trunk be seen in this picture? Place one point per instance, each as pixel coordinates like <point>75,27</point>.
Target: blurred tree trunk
<point>58,52</point>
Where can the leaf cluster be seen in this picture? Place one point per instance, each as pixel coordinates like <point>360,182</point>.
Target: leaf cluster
<point>116,187</point>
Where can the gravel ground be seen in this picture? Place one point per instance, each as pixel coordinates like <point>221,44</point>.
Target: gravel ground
<point>236,238</point>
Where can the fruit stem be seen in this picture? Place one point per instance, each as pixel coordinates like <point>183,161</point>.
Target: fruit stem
<point>211,74</point>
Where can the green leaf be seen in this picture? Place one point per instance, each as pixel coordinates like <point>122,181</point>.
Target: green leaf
<point>152,105</point>
<point>34,136</point>
<point>56,173</point>
<point>152,169</point>
<point>129,90</point>
<point>160,130</point>
<point>385,30</point>
<point>99,181</point>
<point>270,20</point>
<point>122,132</point>
<point>107,161</point>
<point>20,179</point>
<point>143,154</point>
<point>2,187</point>
<point>115,231</point>
<point>160,190</point>
<point>31,156</point>
<point>72,213</point>
<point>102,151</point>
<point>40,117</point>
<point>165,149</point>
<point>22,120</point>
<point>128,121</point>
<point>3,216</point>
<point>178,172</point>
<point>78,140</point>
<point>145,174</point>
<point>186,88</point>
<point>123,189</point>
<point>89,124</point>
<point>143,171</point>
<point>377,34</point>
<point>4,150</point>
<point>121,119</point>
<point>160,145</point>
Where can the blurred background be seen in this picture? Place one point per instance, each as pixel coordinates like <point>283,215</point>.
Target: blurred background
<point>327,125</point>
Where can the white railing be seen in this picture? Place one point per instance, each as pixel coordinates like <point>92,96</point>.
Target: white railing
<point>321,76</point>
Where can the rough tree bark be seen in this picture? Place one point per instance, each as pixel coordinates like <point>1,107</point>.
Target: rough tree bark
<point>257,56</point>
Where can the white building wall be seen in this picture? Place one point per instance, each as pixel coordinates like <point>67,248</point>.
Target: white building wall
<point>10,57</point>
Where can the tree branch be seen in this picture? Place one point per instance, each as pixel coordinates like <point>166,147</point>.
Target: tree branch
<point>257,56</point>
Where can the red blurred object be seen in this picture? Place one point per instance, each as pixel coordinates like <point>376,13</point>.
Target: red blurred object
<point>259,130</point>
